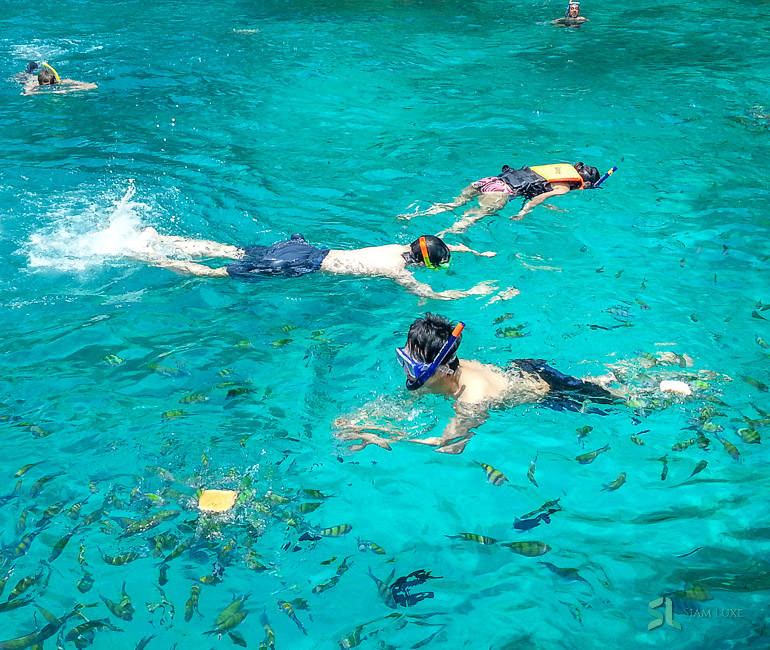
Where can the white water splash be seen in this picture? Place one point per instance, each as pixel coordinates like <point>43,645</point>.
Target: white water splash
<point>81,237</point>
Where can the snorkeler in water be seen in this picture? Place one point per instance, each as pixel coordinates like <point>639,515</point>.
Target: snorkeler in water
<point>295,257</point>
<point>430,362</point>
<point>48,77</point>
<point>535,184</point>
<point>572,17</point>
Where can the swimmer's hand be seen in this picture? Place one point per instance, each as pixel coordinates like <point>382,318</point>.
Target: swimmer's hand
<point>505,294</point>
<point>462,248</point>
<point>482,289</point>
<point>519,216</point>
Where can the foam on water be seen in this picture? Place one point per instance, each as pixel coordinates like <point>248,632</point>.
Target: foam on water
<point>80,237</point>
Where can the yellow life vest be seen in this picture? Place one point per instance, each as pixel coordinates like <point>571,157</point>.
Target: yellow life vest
<point>559,173</point>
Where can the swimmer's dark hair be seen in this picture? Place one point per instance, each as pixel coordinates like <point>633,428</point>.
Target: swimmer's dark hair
<point>438,253</point>
<point>589,174</point>
<point>46,78</point>
<point>427,336</point>
<point>31,67</point>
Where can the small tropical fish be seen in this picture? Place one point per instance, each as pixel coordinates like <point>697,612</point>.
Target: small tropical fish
<point>637,441</point>
<point>113,360</point>
<point>750,436</point>
<point>243,343</point>
<point>22,548</point>
<point>550,506</point>
<point>143,642</point>
<point>59,546</point>
<point>315,494</point>
<point>473,537</point>
<point>281,342</point>
<point>664,471</point>
<point>383,588</point>
<point>162,574</point>
<point>510,332</point>
<point>142,525</point>
<point>181,548</point>
<point>531,471</point>
<point>698,468</point>
<point>567,574</point>
<point>600,269</point>
<point>192,603</point>
<point>590,457</point>
<point>238,392</point>
<point>305,508</point>
<point>331,559</point>
<point>582,432</point>
<point>287,609</point>
<point>528,549</point>
<point>730,448</point>
<point>334,531</point>
<point>237,639</point>
<point>173,414</point>
<point>14,604</point>
<point>352,640</point>
<point>269,642</point>
<point>21,523</point>
<point>25,583</point>
<point>86,582</point>
<point>642,304</point>
<point>195,398</point>
<point>696,593</point>
<point>757,384</point>
<point>494,476</point>
<point>616,483</point>
<point>288,328</point>
<point>681,446</point>
<point>123,610</point>
<point>23,470</point>
<point>85,631</point>
<point>618,274</point>
<point>40,483</point>
<point>365,545</point>
<point>761,343</point>
<point>168,372</point>
<point>502,319</point>
<point>326,584</point>
<point>574,610</point>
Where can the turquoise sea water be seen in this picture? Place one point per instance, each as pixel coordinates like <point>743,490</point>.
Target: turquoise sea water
<point>244,122</point>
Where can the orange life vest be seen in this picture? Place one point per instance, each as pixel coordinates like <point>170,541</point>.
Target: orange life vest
<point>559,173</point>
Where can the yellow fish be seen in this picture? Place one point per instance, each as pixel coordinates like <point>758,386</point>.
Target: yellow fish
<point>494,476</point>
<point>473,537</point>
<point>528,549</point>
<point>616,483</point>
<point>590,457</point>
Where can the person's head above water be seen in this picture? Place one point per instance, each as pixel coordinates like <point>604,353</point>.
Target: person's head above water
<point>589,174</point>
<point>430,251</point>
<point>31,67</point>
<point>431,346</point>
<point>573,10</point>
<point>48,76</point>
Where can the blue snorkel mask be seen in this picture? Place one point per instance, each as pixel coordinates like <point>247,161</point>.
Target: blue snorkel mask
<point>420,372</point>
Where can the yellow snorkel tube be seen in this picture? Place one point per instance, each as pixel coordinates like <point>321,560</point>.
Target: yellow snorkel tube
<point>55,74</point>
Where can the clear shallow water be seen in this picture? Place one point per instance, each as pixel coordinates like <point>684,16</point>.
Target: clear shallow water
<point>330,121</point>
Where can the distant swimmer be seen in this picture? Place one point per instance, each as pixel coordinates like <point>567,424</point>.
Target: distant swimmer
<point>535,184</point>
<point>572,17</point>
<point>48,77</point>
<point>295,257</point>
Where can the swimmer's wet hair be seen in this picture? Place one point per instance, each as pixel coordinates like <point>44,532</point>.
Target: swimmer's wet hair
<point>589,174</point>
<point>427,336</point>
<point>46,77</point>
<point>438,253</point>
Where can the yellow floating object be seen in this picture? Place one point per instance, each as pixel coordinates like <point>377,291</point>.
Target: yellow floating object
<point>674,386</point>
<point>217,500</point>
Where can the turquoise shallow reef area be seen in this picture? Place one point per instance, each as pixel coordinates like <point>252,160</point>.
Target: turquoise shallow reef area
<point>130,388</point>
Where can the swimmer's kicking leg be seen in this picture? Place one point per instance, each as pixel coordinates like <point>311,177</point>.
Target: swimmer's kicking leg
<point>191,247</point>
<point>489,203</point>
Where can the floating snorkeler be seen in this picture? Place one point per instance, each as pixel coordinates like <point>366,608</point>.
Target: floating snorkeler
<point>49,77</point>
<point>572,17</point>
<point>295,257</point>
<point>430,361</point>
<point>535,184</point>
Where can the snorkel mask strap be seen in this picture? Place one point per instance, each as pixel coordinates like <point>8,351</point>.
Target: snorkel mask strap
<point>424,251</point>
<point>55,74</point>
<point>426,374</point>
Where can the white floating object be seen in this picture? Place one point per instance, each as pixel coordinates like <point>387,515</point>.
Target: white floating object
<point>672,386</point>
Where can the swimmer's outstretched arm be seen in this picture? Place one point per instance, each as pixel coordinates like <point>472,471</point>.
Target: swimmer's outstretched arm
<point>462,248</point>
<point>407,280</point>
<point>457,432</point>
<point>437,208</point>
<point>533,203</point>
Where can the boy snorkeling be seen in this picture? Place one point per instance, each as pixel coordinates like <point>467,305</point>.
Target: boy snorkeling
<point>49,77</point>
<point>295,257</point>
<point>535,184</point>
